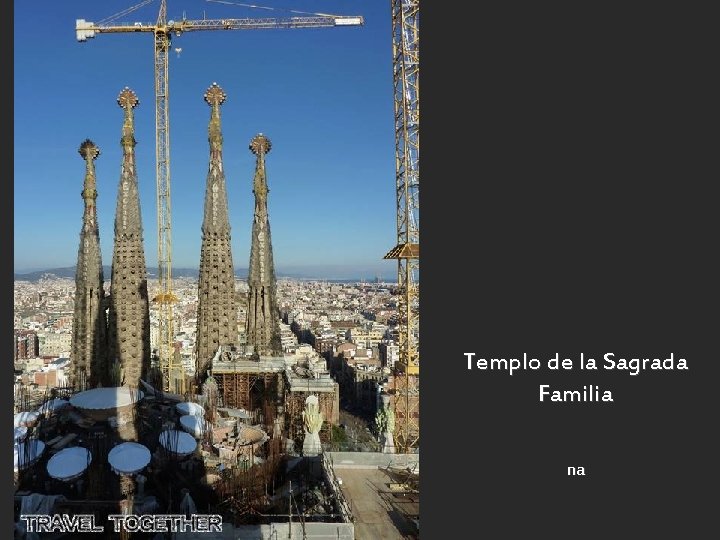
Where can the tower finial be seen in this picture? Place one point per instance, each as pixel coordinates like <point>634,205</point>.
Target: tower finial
<point>260,144</point>
<point>128,101</point>
<point>88,150</point>
<point>215,96</point>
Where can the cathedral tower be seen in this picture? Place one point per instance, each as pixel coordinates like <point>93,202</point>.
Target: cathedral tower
<point>262,329</point>
<point>129,316</point>
<point>89,332</point>
<point>217,310</point>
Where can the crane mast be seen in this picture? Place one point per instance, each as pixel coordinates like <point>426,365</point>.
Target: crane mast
<point>165,299</point>
<point>162,31</point>
<point>406,97</point>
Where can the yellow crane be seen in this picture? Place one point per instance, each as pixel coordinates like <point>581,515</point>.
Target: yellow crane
<point>406,86</point>
<point>162,31</point>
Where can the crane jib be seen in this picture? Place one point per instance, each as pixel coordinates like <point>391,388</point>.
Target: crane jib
<point>87,29</point>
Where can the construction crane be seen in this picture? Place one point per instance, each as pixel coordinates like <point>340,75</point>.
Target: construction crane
<point>162,31</point>
<point>406,71</point>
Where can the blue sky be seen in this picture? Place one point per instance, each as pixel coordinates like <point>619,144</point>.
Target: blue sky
<point>322,96</point>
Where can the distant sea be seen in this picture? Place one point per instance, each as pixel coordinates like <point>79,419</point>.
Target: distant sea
<point>241,273</point>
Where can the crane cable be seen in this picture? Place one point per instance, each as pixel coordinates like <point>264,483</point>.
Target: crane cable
<point>272,8</point>
<point>124,12</point>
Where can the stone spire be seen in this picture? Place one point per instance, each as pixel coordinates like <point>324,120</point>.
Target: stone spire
<point>262,328</point>
<point>89,333</point>
<point>129,318</point>
<point>217,310</point>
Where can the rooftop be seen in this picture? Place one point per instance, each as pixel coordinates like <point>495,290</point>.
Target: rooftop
<point>381,506</point>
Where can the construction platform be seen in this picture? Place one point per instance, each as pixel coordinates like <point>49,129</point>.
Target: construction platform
<point>382,509</point>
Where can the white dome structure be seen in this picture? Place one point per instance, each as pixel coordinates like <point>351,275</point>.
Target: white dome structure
<point>129,458</point>
<point>20,433</point>
<point>195,425</point>
<point>178,442</point>
<point>102,403</point>
<point>106,398</point>
<point>190,408</point>
<point>53,405</point>
<point>28,452</point>
<point>69,463</point>
<point>26,418</point>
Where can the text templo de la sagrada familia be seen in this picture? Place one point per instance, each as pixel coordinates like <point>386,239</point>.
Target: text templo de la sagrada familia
<point>588,393</point>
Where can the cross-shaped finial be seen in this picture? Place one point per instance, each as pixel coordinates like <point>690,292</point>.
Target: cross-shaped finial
<point>215,96</point>
<point>127,99</point>
<point>260,144</point>
<point>88,150</point>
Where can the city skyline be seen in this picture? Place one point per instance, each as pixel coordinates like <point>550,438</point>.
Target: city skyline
<point>324,96</point>
<point>305,272</point>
